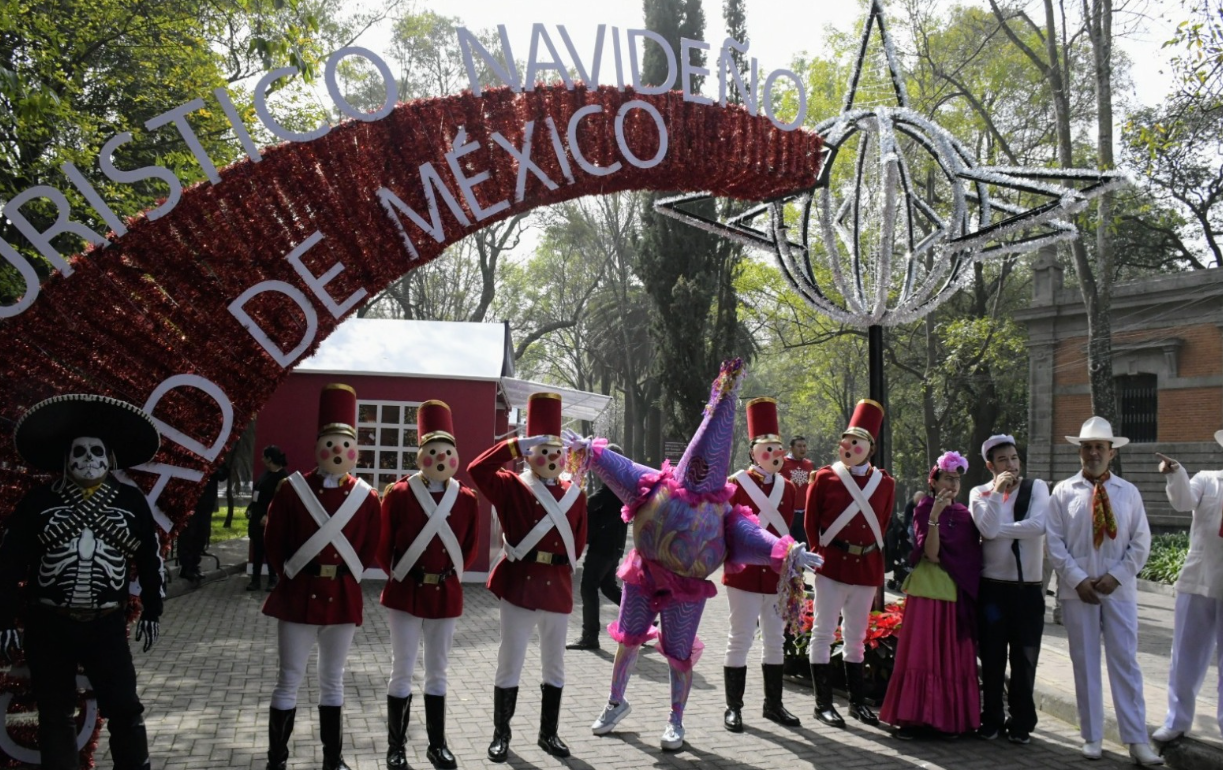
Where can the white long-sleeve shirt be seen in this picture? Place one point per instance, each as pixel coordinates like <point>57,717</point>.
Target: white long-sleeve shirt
<point>994,514</point>
<point>1203,570</point>
<point>1069,532</point>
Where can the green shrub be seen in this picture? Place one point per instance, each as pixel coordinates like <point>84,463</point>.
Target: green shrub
<point>1167,558</point>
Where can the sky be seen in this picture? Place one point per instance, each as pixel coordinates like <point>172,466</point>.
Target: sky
<point>778,30</point>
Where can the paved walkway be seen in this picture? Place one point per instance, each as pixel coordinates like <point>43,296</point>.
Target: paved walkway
<point>206,687</point>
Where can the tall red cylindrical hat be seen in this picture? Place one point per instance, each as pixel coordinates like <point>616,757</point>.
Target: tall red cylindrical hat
<point>544,416</point>
<point>762,420</point>
<point>434,422</point>
<point>337,410</point>
<point>867,420</point>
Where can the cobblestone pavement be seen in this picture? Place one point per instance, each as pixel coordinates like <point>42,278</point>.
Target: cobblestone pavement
<point>207,683</point>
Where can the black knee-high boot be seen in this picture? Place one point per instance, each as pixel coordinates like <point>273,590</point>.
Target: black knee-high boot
<point>331,730</point>
<point>821,677</point>
<point>129,743</point>
<point>435,725</point>
<point>736,682</point>
<point>773,710</point>
<point>280,727</point>
<point>855,682</point>
<point>549,721</point>
<point>505,699</point>
<point>397,710</point>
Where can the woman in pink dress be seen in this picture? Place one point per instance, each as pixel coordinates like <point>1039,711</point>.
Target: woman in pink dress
<point>934,682</point>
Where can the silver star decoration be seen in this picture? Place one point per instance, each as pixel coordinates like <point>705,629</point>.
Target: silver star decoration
<point>890,246</point>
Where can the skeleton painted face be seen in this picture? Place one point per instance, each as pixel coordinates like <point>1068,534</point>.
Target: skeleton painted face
<point>88,461</point>
<point>769,455</point>
<point>438,460</point>
<point>336,453</point>
<point>546,461</point>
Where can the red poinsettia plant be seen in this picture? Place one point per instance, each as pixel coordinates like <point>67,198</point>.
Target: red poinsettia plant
<point>883,625</point>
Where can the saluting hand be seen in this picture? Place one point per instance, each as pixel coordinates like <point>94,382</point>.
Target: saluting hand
<point>1166,464</point>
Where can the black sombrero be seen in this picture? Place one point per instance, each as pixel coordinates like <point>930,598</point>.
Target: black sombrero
<point>47,429</point>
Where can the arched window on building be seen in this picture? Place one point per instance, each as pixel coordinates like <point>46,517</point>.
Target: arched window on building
<point>1138,404</point>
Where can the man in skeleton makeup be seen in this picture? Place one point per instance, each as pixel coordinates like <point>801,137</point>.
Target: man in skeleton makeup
<point>72,541</point>
<point>322,532</point>
<point>430,533</point>
<point>544,523</point>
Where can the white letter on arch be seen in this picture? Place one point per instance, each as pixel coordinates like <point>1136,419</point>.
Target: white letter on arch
<point>318,283</point>
<point>23,266</point>
<point>572,134</point>
<point>623,143</point>
<point>261,109</point>
<point>212,389</point>
<point>768,99</point>
<point>388,83</point>
<point>292,292</point>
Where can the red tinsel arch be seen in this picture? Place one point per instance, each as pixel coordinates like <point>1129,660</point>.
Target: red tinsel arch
<point>153,303</point>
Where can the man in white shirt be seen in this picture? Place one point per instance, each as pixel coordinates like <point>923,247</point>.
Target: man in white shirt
<point>1099,540</point>
<point>1010,513</point>
<point>1198,627</point>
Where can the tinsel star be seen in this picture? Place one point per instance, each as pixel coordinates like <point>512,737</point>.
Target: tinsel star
<point>888,250</point>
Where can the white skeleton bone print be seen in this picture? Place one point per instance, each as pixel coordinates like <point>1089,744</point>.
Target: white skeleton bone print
<point>85,565</point>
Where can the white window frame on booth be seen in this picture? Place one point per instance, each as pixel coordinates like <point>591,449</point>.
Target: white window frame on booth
<point>375,475</point>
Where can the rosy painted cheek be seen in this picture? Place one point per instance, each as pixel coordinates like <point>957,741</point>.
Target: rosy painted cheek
<point>541,461</point>
<point>322,455</point>
<point>454,462</point>
<point>352,454</point>
<point>857,450</point>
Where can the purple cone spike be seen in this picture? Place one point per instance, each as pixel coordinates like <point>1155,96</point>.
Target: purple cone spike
<point>706,462</point>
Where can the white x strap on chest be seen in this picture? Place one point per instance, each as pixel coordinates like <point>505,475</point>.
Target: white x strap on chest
<point>555,518</point>
<point>330,528</point>
<point>437,513</point>
<point>860,506</point>
<point>767,506</point>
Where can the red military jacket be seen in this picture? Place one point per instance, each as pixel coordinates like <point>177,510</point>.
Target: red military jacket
<point>402,521</point>
<point>827,498</point>
<point>799,472</point>
<point>529,585</point>
<point>754,578</point>
<point>308,598</point>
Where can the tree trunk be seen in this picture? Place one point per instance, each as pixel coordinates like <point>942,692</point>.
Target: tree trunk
<point>1100,347</point>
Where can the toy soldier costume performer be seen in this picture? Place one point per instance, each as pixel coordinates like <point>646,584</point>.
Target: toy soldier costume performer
<point>72,541</point>
<point>849,506</point>
<point>544,523</point>
<point>753,592</point>
<point>322,532</point>
<point>429,536</point>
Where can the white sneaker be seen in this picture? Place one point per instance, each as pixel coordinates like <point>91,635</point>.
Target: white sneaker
<point>1144,755</point>
<point>611,716</point>
<point>1166,735</point>
<point>673,737</point>
<point>1093,749</point>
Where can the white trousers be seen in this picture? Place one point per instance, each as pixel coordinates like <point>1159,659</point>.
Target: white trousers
<point>294,642</point>
<point>1197,636</point>
<point>517,624</point>
<point>1117,622</point>
<point>746,608</point>
<point>407,631</point>
<point>851,607</point>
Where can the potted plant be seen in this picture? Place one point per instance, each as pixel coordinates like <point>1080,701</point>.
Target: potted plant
<point>882,636</point>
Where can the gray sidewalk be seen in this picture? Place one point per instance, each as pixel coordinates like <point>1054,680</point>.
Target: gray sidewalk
<point>206,687</point>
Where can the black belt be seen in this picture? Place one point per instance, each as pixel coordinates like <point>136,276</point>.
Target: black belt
<point>326,570</point>
<point>430,578</point>
<point>855,550</point>
<point>79,615</point>
<point>546,557</point>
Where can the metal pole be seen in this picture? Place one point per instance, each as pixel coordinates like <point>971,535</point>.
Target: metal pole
<point>878,392</point>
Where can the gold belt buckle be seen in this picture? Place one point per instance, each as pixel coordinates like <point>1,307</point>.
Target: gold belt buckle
<point>856,550</point>
<point>432,578</point>
<point>543,557</point>
<point>328,570</point>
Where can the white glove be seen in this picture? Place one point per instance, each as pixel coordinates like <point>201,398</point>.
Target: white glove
<point>809,559</point>
<point>575,443</point>
<point>149,630</point>
<point>10,643</point>
<point>526,444</point>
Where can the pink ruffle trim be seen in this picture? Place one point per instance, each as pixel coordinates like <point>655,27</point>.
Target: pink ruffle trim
<point>663,586</point>
<point>631,640</point>
<point>650,481</point>
<point>681,665</point>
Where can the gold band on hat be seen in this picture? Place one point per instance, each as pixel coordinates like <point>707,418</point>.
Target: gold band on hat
<point>338,427</point>
<point>544,394</point>
<point>437,435</point>
<point>761,399</point>
<point>340,386</point>
<point>765,438</point>
<point>859,432</point>
<point>873,403</point>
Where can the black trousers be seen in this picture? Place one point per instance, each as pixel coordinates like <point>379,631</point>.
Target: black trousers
<point>598,574</point>
<point>797,529</point>
<point>193,540</point>
<point>55,646</point>
<point>1011,621</point>
<point>254,529</point>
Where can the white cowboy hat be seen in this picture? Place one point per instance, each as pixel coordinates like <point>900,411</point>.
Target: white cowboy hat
<point>1098,429</point>
<point>1219,437</point>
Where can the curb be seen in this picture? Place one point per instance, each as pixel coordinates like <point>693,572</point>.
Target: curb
<point>1185,753</point>
<point>1151,587</point>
